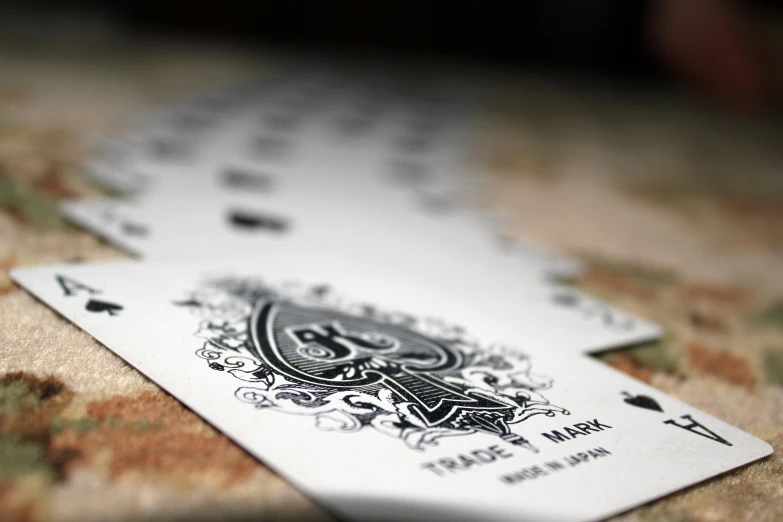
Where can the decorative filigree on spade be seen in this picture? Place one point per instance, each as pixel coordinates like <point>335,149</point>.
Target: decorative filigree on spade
<point>309,351</point>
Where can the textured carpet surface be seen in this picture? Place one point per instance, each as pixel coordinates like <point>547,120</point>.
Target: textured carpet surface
<point>678,213</point>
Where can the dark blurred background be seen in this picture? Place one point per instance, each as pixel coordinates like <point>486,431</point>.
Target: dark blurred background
<point>728,51</point>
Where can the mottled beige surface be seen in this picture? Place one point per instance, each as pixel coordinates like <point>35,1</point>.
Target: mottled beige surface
<point>677,212</point>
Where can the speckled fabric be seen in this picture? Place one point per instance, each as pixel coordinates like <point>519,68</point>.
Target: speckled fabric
<point>677,213</point>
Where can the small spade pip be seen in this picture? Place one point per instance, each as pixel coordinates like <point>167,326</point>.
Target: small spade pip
<point>134,229</point>
<point>96,306</point>
<point>642,401</point>
<point>249,221</point>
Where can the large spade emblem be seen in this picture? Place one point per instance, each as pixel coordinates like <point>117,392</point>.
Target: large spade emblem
<point>335,350</point>
<point>307,350</point>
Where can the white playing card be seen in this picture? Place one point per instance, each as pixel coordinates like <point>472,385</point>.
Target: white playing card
<point>386,398</point>
<point>316,158</point>
<point>177,230</point>
<point>181,230</point>
<point>299,157</point>
<point>175,134</point>
<point>332,194</point>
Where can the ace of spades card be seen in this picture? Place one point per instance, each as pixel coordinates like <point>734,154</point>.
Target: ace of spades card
<point>386,399</point>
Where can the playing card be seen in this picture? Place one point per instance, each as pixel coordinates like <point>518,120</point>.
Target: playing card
<point>253,234</point>
<point>328,196</point>
<point>280,148</point>
<point>285,121</point>
<point>365,109</point>
<point>186,219</point>
<point>175,134</point>
<point>387,398</point>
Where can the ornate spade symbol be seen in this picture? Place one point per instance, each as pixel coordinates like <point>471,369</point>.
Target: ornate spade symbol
<point>334,350</point>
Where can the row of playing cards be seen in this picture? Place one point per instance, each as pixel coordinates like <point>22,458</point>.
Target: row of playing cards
<point>322,284</point>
